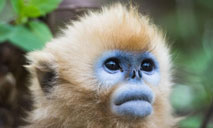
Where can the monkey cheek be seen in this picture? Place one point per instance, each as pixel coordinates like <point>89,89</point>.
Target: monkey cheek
<point>138,109</point>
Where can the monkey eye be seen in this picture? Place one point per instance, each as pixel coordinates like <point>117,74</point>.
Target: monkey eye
<point>112,64</point>
<point>147,65</point>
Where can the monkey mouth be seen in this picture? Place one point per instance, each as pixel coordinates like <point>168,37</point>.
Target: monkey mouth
<point>132,105</point>
<point>132,102</point>
<point>132,98</point>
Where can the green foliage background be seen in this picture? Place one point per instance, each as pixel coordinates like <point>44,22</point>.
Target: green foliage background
<point>190,29</point>
<point>21,27</point>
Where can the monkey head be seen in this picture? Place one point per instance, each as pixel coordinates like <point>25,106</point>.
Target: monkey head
<point>109,69</point>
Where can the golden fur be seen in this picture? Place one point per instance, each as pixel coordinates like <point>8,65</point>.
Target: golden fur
<point>77,100</point>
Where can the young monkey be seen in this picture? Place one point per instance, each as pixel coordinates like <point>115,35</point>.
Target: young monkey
<point>110,69</point>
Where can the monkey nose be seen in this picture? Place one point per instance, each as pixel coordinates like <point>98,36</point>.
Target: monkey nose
<point>135,74</point>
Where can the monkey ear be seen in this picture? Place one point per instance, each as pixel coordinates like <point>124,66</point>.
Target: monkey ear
<point>43,66</point>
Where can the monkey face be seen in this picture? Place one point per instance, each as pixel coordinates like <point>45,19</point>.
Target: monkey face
<point>131,73</point>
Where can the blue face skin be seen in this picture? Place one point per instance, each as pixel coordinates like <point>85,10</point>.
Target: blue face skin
<point>131,72</point>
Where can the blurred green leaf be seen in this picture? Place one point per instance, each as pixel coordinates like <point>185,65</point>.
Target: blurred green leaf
<point>45,6</point>
<point>33,8</point>
<point>195,62</point>
<point>191,122</point>
<point>40,30</point>
<point>200,96</point>
<point>17,5</point>
<point>25,39</point>
<point>31,11</point>
<point>182,97</point>
<point>2,4</point>
<point>5,31</point>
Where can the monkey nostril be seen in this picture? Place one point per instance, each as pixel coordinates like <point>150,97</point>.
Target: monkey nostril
<point>139,74</point>
<point>133,74</point>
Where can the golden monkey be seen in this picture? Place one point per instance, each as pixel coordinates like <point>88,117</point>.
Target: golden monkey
<point>109,69</point>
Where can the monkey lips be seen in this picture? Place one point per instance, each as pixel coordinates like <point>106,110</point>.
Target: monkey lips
<point>133,102</point>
